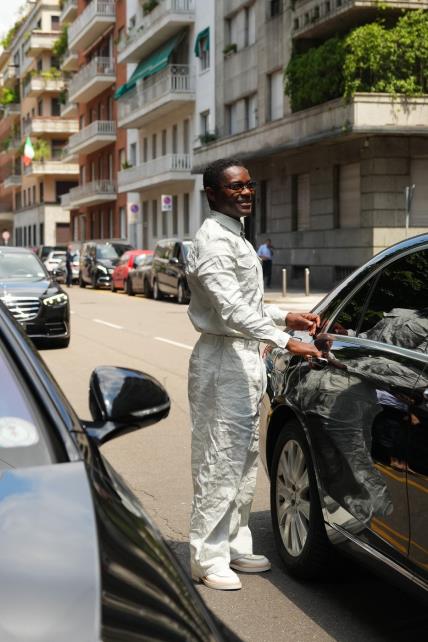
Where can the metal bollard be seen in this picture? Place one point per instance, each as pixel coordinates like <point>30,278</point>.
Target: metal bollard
<point>307,278</point>
<point>284,282</point>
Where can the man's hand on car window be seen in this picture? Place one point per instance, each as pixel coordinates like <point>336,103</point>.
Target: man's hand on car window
<point>306,321</point>
<point>302,349</point>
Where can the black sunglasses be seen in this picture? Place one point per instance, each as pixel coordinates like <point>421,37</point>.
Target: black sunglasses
<point>239,186</point>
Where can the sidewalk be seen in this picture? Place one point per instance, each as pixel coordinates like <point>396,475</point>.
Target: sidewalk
<point>295,299</point>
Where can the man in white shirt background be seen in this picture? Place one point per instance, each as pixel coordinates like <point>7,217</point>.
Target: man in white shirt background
<point>227,378</point>
<point>265,254</point>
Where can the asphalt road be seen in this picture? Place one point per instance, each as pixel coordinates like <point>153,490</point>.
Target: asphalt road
<point>156,337</point>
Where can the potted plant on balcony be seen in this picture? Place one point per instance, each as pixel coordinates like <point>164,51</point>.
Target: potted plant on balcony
<point>230,49</point>
<point>149,6</point>
<point>126,165</point>
<point>208,137</point>
<point>42,150</point>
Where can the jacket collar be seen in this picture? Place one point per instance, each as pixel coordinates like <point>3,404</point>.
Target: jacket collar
<point>232,224</point>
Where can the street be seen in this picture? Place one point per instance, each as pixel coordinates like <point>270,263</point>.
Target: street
<point>157,337</point>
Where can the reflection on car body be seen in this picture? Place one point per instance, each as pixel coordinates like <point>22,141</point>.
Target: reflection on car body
<point>359,418</point>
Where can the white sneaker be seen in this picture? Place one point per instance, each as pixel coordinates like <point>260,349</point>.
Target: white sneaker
<point>250,564</point>
<point>227,580</point>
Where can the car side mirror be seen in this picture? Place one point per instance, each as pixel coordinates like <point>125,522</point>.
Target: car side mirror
<point>122,400</point>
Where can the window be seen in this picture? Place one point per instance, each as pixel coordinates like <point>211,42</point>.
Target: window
<point>133,154</point>
<point>300,198</point>
<point>110,167</point>
<point>55,107</point>
<point>250,25</point>
<point>186,215</point>
<point>42,233</point>
<point>275,7</point>
<point>122,222</point>
<point>251,112</point>
<point>349,195</point>
<point>154,218</point>
<point>204,123</point>
<point>154,146</point>
<point>34,193</point>
<point>232,118</point>
<point>122,158</point>
<point>186,136</point>
<point>165,216</point>
<point>145,150</point>
<point>349,317</point>
<point>174,139</point>
<point>55,23</point>
<point>111,223</point>
<point>164,142</point>
<point>204,53</point>
<point>275,95</point>
<point>40,108</point>
<point>418,177</point>
<point>175,216</point>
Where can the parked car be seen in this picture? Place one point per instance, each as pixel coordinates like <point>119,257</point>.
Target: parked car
<point>345,437</point>
<point>60,272</point>
<point>168,275</point>
<point>97,262</point>
<point>53,260</point>
<point>139,278</point>
<point>44,250</point>
<point>120,277</point>
<point>77,550</point>
<point>34,297</point>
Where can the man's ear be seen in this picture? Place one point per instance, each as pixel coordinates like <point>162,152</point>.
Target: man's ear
<point>210,195</point>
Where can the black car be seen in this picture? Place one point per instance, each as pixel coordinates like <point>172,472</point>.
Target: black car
<point>34,297</point>
<point>43,251</point>
<point>140,276</point>
<point>168,270</point>
<point>345,436</point>
<point>80,559</point>
<point>97,261</point>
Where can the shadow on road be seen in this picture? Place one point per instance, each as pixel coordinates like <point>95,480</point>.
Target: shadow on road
<point>350,601</point>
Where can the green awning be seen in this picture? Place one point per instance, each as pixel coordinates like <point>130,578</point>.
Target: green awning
<point>157,61</point>
<point>201,36</point>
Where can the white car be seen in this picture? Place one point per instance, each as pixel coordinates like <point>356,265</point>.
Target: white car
<point>54,259</point>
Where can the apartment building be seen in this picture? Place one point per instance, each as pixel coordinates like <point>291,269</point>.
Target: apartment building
<point>166,49</point>
<point>98,211</point>
<point>331,178</point>
<point>10,163</point>
<point>31,73</point>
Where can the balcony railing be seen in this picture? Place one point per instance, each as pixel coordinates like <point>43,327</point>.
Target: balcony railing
<point>92,137</point>
<point>13,109</point>
<point>40,41</point>
<point>39,85</point>
<point>52,167</point>
<point>174,80</point>
<point>92,193</point>
<point>91,23</point>
<point>165,168</point>
<point>69,11</point>
<point>168,16</point>
<point>98,69</point>
<point>11,75</point>
<point>50,125</point>
<point>14,180</point>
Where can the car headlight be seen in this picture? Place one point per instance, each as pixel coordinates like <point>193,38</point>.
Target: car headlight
<point>103,269</point>
<point>56,299</point>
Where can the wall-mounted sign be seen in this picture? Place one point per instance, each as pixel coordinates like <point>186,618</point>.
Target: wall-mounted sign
<point>133,209</point>
<point>166,203</point>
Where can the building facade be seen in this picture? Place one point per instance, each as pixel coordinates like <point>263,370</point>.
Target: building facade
<point>331,178</point>
<point>32,85</point>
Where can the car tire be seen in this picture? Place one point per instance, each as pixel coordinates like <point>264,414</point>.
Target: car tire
<point>305,552</point>
<point>82,284</point>
<point>147,290</point>
<point>156,292</point>
<point>112,286</point>
<point>94,282</point>
<point>181,296</point>
<point>128,288</point>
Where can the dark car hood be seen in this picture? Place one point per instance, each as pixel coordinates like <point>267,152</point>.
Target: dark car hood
<point>108,263</point>
<point>49,589</point>
<point>25,288</point>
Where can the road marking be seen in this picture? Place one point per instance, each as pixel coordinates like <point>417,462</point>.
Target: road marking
<point>175,343</point>
<point>110,325</point>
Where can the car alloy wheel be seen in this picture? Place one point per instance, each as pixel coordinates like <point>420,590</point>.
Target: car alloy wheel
<point>180,293</point>
<point>156,292</point>
<point>147,290</point>
<point>94,282</point>
<point>128,288</point>
<point>297,518</point>
<point>82,284</point>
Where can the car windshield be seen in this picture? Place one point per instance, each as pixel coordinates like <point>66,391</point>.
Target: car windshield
<point>107,252</point>
<point>21,265</point>
<point>120,248</point>
<point>144,259</point>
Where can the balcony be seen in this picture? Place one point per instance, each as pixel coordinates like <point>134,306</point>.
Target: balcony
<point>334,121</point>
<point>315,19</point>
<point>93,137</point>
<point>169,17</point>
<point>172,171</point>
<point>12,182</point>
<point>70,61</point>
<point>97,76</point>
<point>69,12</point>
<point>40,41</point>
<point>93,193</point>
<point>39,85</point>
<point>170,89</point>
<point>69,110</point>
<point>51,125</point>
<point>98,16</point>
<point>13,110</point>
<point>11,75</point>
<point>52,167</point>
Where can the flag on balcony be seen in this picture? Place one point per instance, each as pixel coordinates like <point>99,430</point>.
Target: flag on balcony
<point>28,156</point>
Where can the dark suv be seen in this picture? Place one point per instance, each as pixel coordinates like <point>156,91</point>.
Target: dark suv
<point>97,261</point>
<point>168,276</point>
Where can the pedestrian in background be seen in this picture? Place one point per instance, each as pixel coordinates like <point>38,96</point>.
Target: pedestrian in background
<point>68,265</point>
<point>227,377</point>
<point>265,254</point>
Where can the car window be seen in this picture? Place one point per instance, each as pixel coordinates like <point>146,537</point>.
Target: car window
<point>392,308</point>
<point>143,259</point>
<point>24,440</point>
<point>106,252</point>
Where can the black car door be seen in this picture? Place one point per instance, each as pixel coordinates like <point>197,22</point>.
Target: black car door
<point>356,402</point>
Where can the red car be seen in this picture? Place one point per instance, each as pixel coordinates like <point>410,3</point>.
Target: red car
<point>119,278</point>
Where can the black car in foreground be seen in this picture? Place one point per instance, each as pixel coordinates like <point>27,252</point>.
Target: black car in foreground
<point>80,560</point>
<point>97,262</point>
<point>34,297</point>
<point>345,436</point>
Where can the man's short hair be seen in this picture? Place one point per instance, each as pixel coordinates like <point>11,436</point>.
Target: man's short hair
<point>214,171</point>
